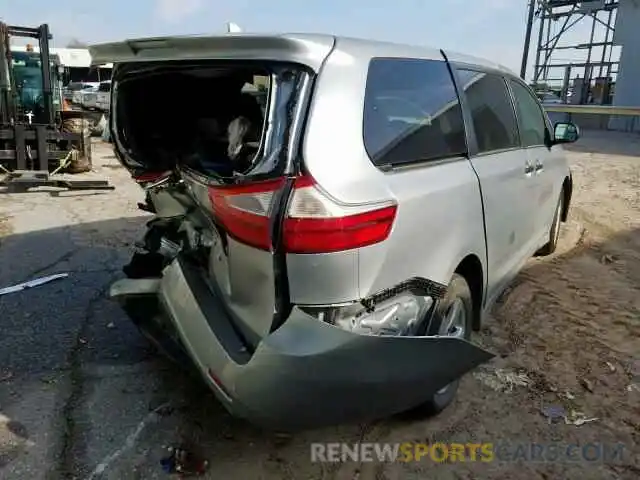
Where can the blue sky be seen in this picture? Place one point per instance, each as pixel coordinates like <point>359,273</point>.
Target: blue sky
<point>493,29</point>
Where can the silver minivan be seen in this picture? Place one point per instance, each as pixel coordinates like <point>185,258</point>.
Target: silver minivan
<point>323,255</point>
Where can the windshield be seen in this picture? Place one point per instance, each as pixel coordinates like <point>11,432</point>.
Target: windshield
<point>27,74</point>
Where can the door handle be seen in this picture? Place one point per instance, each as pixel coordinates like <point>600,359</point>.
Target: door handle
<point>539,166</point>
<point>528,169</point>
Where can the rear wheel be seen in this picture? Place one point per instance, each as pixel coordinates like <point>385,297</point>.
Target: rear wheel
<point>452,317</point>
<point>554,231</point>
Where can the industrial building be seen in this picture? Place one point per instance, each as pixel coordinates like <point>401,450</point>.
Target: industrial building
<point>585,51</point>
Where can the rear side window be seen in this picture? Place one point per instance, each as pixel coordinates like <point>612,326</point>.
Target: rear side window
<point>105,87</point>
<point>411,112</point>
<point>530,118</point>
<point>494,119</point>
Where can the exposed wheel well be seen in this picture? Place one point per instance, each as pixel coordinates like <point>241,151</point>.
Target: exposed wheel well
<point>567,190</point>
<point>471,269</point>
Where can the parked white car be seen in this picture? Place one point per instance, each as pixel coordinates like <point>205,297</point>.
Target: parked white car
<point>103,96</point>
<point>550,98</point>
<point>78,96</point>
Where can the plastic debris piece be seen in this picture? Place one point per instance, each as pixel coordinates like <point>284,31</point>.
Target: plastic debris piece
<point>554,412</point>
<point>578,418</point>
<point>587,384</point>
<point>32,283</point>
<point>503,381</point>
<point>111,325</point>
<point>568,395</point>
<point>183,462</point>
<point>607,259</point>
<point>633,386</point>
<point>612,367</point>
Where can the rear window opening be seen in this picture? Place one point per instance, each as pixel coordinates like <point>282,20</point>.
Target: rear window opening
<point>217,118</point>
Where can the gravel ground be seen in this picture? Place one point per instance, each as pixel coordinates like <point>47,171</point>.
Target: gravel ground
<point>78,384</point>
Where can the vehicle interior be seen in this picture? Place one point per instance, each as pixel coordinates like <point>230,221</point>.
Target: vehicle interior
<point>213,121</point>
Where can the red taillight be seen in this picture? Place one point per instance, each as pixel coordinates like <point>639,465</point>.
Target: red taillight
<point>314,223</point>
<point>244,210</point>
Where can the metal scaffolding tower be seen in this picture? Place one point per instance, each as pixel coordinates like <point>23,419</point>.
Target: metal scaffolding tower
<point>575,41</point>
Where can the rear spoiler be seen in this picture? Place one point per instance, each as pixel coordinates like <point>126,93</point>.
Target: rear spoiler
<point>309,50</point>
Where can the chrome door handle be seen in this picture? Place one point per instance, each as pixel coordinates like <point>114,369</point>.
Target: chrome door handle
<point>539,166</point>
<point>528,169</point>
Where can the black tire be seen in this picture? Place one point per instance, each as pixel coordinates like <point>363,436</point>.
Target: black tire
<point>458,290</point>
<point>554,231</point>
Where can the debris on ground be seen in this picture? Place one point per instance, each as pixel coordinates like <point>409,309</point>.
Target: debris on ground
<point>587,384</point>
<point>568,395</point>
<point>578,418</point>
<point>163,410</point>
<point>502,380</point>
<point>633,386</point>
<point>4,376</point>
<point>99,128</point>
<point>554,412</point>
<point>111,325</point>
<point>611,366</point>
<point>32,283</point>
<point>607,259</point>
<point>183,462</point>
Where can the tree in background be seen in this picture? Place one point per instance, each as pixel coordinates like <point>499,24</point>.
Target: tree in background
<point>75,43</point>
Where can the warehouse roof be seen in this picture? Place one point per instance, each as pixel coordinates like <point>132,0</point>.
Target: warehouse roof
<point>69,57</point>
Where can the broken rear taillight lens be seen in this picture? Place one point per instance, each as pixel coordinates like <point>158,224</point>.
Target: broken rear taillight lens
<point>244,210</point>
<point>314,223</point>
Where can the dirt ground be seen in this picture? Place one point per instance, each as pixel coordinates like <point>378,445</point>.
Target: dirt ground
<point>566,334</point>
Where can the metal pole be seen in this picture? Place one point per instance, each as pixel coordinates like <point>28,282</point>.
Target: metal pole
<point>527,39</point>
<point>565,83</point>
<point>45,60</point>
<point>588,69</point>
<point>537,70</point>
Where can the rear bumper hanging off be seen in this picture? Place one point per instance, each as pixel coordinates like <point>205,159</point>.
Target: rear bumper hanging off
<point>307,373</point>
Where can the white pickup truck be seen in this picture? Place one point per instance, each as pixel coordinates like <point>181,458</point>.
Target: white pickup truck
<point>103,96</point>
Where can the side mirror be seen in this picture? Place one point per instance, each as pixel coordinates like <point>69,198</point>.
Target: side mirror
<point>60,70</point>
<point>565,132</point>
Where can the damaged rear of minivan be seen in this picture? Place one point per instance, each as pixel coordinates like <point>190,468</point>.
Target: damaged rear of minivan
<point>213,129</point>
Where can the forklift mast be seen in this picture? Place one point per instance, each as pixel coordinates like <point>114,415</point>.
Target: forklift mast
<point>7,87</point>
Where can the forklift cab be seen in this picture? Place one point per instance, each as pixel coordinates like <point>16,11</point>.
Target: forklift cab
<point>28,74</point>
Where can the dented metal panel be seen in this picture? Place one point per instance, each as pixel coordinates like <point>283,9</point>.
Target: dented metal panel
<point>279,385</point>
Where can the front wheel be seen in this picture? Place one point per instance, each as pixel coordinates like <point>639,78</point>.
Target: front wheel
<point>452,317</point>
